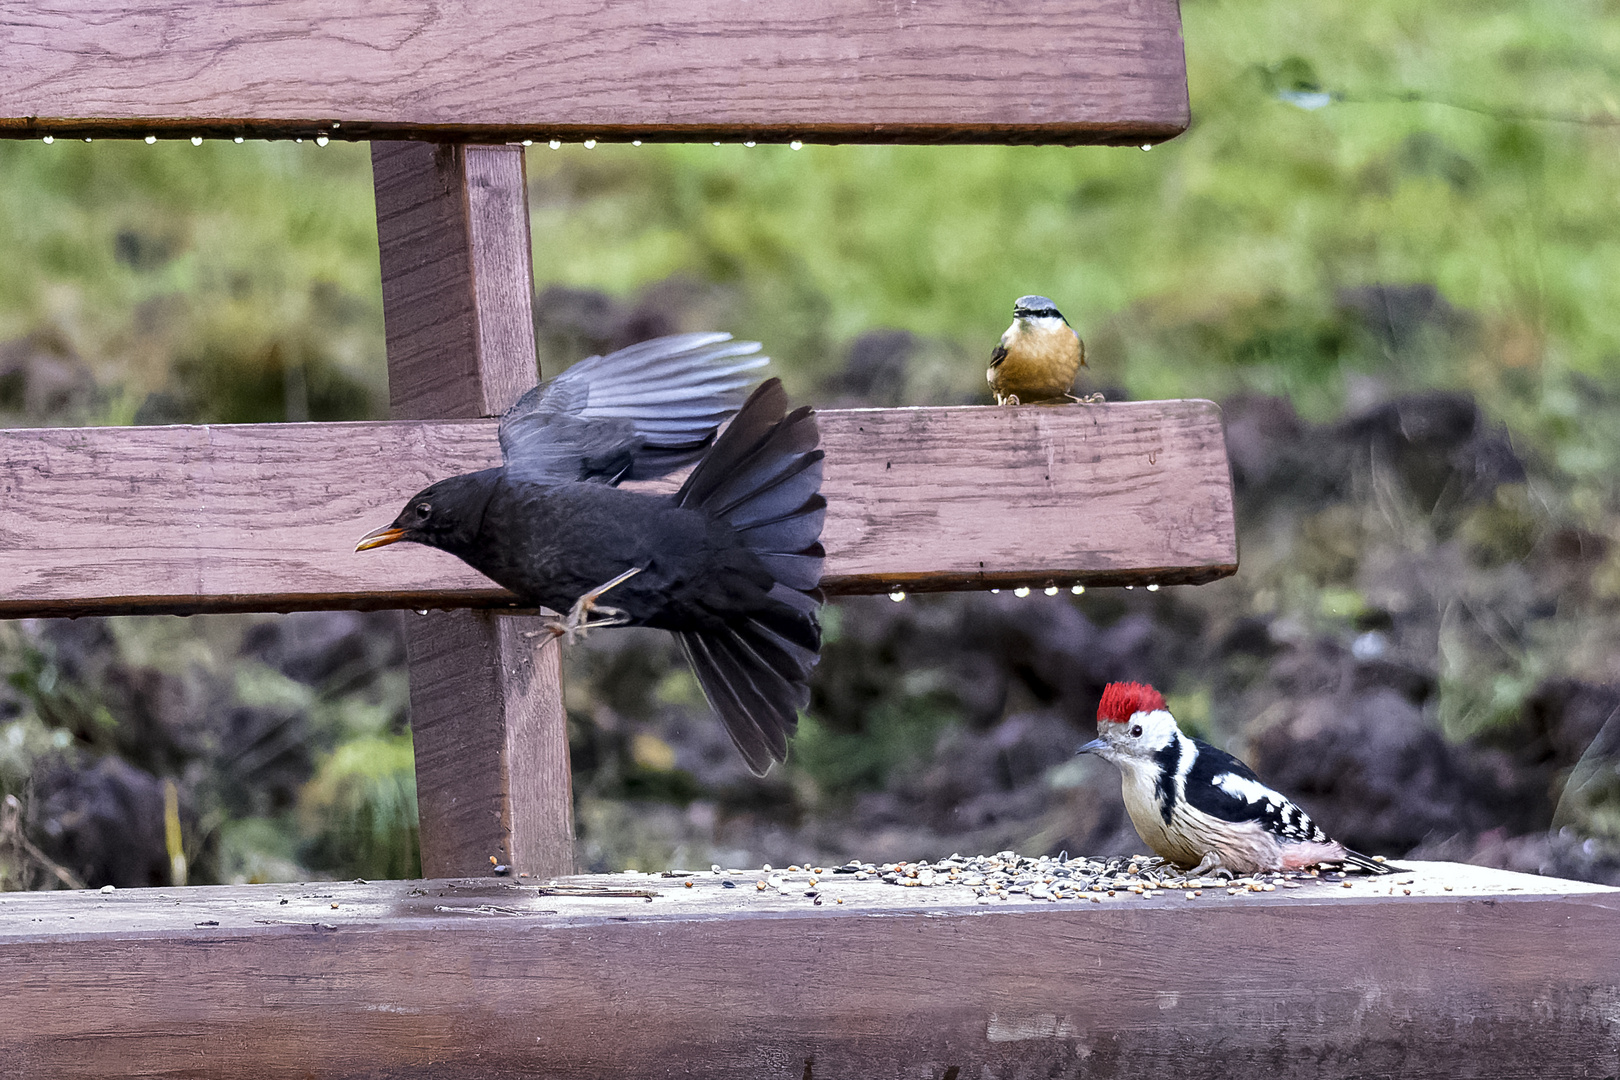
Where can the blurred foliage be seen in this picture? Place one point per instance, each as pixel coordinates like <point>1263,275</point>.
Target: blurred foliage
<point>221,283</point>
<point>360,809</point>
<point>893,736</point>
<point>284,737</point>
<point>1374,200</point>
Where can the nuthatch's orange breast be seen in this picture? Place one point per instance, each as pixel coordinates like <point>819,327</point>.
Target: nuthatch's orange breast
<point>1040,363</point>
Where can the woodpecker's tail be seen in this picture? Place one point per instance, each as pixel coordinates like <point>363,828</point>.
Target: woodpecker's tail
<point>1370,864</point>
<point>763,477</point>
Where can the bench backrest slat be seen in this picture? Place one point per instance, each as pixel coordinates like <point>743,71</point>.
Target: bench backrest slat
<point>1108,71</point>
<point>264,517</point>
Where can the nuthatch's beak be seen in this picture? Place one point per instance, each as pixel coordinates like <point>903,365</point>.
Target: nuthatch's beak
<point>376,538</point>
<point>1095,746</point>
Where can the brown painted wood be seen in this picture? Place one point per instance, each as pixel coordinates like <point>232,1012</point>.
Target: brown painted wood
<point>1098,71</point>
<point>265,517</point>
<point>1507,976</point>
<point>487,719</point>
<point>491,737</point>
<point>453,230</point>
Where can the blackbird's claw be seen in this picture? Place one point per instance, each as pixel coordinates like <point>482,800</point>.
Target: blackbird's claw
<point>579,621</point>
<point>578,624</point>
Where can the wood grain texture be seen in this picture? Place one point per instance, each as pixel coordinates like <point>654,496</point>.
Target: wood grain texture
<point>456,978</point>
<point>265,517</point>
<point>491,739</point>
<point>487,719</point>
<point>457,278</point>
<point>1109,71</point>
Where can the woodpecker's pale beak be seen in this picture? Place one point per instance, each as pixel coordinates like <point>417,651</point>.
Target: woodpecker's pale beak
<point>376,538</point>
<point>1095,746</point>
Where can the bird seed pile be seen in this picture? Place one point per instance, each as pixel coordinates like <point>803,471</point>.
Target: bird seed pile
<point>1006,874</point>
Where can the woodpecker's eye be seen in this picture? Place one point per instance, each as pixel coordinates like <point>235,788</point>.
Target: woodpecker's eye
<point>1136,731</point>
<point>424,508</point>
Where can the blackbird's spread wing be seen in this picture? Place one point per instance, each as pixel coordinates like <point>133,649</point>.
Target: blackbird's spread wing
<point>635,414</point>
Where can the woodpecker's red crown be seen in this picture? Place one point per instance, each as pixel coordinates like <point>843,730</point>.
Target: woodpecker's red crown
<point>1122,700</point>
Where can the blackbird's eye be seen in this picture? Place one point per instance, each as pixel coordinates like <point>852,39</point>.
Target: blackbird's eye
<point>1136,730</point>
<point>424,509</point>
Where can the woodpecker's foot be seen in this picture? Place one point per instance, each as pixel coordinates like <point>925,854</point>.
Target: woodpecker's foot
<point>579,621</point>
<point>1211,864</point>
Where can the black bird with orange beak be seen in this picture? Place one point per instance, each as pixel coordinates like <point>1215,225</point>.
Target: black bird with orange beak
<point>730,563</point>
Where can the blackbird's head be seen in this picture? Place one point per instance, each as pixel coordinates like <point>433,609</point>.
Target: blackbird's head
<point>444,515</point>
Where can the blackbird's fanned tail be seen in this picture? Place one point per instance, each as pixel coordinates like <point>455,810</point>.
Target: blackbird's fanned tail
<point>763,477</point>
<point>756,685</point>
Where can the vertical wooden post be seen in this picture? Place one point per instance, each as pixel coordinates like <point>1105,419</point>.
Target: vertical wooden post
<point>487,719</point>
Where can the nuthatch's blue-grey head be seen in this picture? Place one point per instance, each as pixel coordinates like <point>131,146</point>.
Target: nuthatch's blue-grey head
<point>1036,307</point>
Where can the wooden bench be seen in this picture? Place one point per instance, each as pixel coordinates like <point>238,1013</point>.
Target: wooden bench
<point>469,977</point>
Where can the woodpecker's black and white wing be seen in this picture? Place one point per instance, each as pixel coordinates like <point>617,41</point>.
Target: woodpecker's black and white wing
<point>635,414</point>
<point>1221,786</point>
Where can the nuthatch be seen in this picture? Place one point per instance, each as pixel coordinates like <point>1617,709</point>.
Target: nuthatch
<point>1038,356</point>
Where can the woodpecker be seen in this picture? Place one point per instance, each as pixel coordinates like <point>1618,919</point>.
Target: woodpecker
<point>1038,356</point>
<point>1198,806</point>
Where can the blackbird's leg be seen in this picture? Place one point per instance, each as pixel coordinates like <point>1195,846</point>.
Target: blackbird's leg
<point>579,621</point>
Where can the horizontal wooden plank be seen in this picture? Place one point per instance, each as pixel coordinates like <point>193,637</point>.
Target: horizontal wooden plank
<point>1505,975</point>
<point>1051,71</point>
<point>265,517</point>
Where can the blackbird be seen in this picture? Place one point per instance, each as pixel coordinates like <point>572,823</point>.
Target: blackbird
<point>1038,356</point>
<point>730,563</point>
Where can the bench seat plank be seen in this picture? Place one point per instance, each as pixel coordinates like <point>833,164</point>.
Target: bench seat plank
<point>1477,973</point>
<point>193,519</point>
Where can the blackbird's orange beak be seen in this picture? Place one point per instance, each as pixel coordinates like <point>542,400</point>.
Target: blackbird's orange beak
<point>377,538</point>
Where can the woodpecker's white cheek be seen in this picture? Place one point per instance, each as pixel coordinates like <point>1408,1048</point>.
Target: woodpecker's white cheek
<point>1158,730</point>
